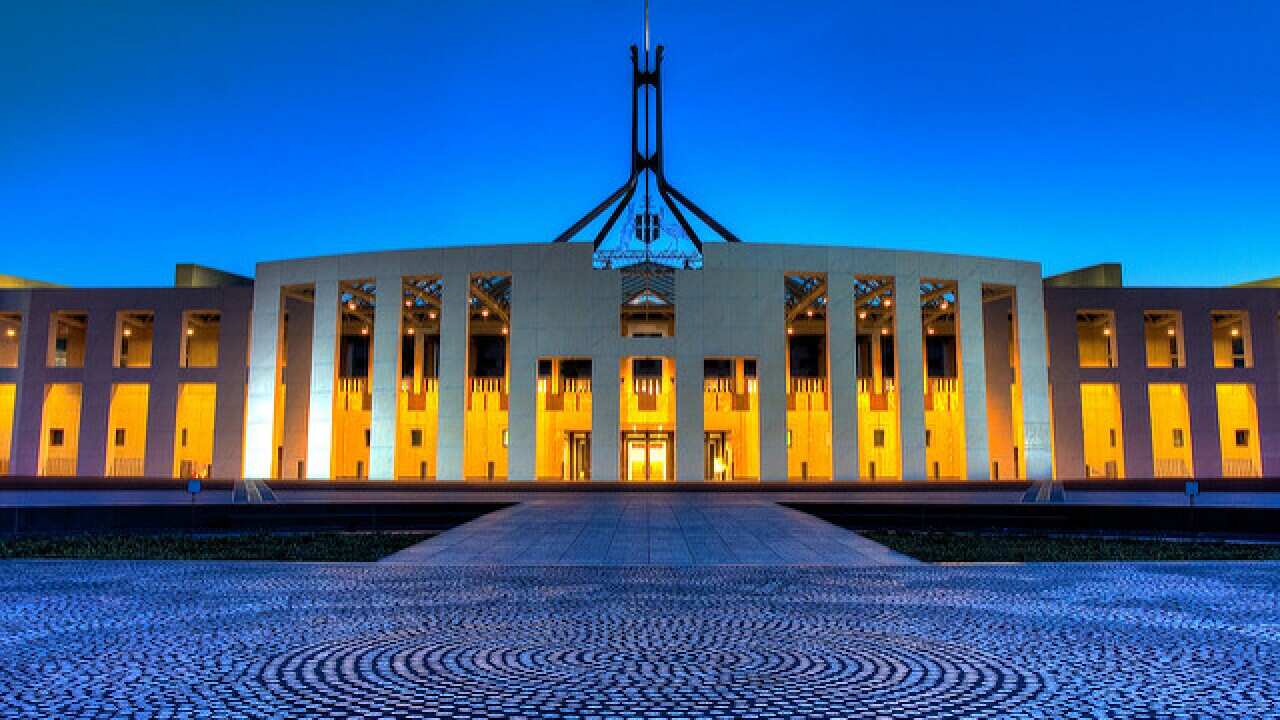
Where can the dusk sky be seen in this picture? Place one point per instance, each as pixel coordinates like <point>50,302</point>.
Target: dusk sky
<point>135,135</point>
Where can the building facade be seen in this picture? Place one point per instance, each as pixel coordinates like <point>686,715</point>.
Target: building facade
<point>772,363</point>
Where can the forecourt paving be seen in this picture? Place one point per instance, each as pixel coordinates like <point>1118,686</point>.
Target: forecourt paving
<point>260,640</point>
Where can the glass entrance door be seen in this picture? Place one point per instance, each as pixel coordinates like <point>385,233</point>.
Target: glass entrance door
<point>716,457</point>
<point>646,456</point>
<point>578,450</point>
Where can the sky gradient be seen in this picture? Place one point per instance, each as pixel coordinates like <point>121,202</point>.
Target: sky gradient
<point>135,135</point>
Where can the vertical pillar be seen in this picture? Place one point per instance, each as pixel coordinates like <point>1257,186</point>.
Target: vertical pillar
<point>522,353</point>
<point>842,375</point>
<point>453,375</point>
<point>162,396</point>
<point>264,366</point>
<point>297,381</point>
<point>689,387</point>
<point>910,375</point>
<point>1033,364</point>
<point>772,369</point>
<point>385,376</point>
<point>229,412</point>
<point>95,392</point>
<point>324,373</point>
<point>973,374</point>
<point>605,415</point>
<point>1202,394</point>
<point>1135,403</point>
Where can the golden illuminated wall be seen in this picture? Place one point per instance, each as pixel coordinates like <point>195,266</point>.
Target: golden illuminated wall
<point>193,429</point>
<point>7,393</point>
<point>60,429</point>
<point>1238,430</point>
<point>878,450</point>
<point>1103,431</point>
<point>944,428</point>
<point>648,403</point>
<point>417,413</point>
<point>352,406</point>
<point>486,429</point>
<point>1170,430</point>
<point>731,405</point>
<point>563,406</point>
<point>127,430</point>
<point>808,430</point>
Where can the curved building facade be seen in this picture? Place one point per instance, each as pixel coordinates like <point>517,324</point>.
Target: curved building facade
<point>527,362</point>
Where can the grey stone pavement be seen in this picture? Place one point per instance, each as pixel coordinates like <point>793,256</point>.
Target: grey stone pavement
<point>681,528</point>
<point>293,641</point>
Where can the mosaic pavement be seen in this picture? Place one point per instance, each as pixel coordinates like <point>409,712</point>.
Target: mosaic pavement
<point>223,640</point>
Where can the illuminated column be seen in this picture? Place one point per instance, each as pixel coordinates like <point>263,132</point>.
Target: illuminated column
<point>385,376</point>
<point>910,374</point>
<point>264,365</point>
<point>1032,352</point>
<point>324,350</point>
<point>605,414</point>
<point>453,374</point>
<point>521,381</point>
<point>973,373</point>
<point>842,353</point>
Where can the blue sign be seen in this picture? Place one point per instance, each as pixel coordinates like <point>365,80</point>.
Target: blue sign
<point>193,486</point>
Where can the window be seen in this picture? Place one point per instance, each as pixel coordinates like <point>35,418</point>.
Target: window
<point>506,438</point>
<point>367,437</point>
<point>184,437</point>
<point>57,436</point>
<point>415,437</point>
<point>1113,437</point>
<point>749,367</point>
<point>717,368</point>
<point>134,331</point>
<point>1163,332</point>
<point>1231,339</point>
<point>544,367</point>
<point>877,438</point>
<point>200,336</point>
<point>1178,439</point>
<point>1096,338</point>
<point>10,335</point>
<point>67,339</point>
<point>928,438</point>
<point>1242,437</point>
<point>788,438</point>
<point>119,438</point>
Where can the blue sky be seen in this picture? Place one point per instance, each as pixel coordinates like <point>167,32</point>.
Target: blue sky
<point>135,134</point>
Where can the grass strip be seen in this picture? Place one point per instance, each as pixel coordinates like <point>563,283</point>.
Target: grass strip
<point>976,547</point>
<point>291,547</point>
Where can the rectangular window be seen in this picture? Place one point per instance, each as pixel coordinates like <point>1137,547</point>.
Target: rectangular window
<point>1096,337</point>
<point>10,335</point>
<point>134,332</point>
<point>877,438</point>
<point>1242,437</point>
<point>184,437</point>
<point>1238,430</point>
<point>1170,416</point>
<point>119,437</point>
<point>67,338</point>
<point>1231,339</point>
<point>415,437</point>
<point>201,330</point>
<point>367,437</point>
<point>57,436</point>
<point>1163,331</point>
<point>1178,439</point>
<point>1101,423</point>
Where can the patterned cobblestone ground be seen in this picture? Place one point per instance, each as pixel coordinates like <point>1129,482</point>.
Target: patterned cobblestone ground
<point>210,640</point>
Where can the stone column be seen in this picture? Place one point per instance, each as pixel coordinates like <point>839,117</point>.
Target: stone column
<point>605,414</point>
<point>264,366</point>
<point>973,374</point>
<point>842,375</point>
<point>1032,361</point>
<point>910,375</point>
<point>522,354</point>
<point>324,373</point>
<point>453,375</point>
<point>385,376</point>
<point>690,442</point>
<point>772,376</point>
<point>95,392</point>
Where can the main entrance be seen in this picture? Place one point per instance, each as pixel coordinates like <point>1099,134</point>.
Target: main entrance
<point>647,456</point>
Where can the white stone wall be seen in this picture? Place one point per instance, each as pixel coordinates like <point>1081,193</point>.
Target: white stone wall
<point>733,306</point>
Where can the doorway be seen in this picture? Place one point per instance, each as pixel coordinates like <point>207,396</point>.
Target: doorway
<point>646,456</point>
<point>717,458</point>
<point>578,453</point>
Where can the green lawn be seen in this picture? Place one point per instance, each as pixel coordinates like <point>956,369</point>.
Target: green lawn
<point>301,547</point>
<point>971,547</point>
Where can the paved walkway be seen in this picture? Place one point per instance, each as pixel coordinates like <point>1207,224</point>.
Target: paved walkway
<point>189,641</point>
<point>649,529</point>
